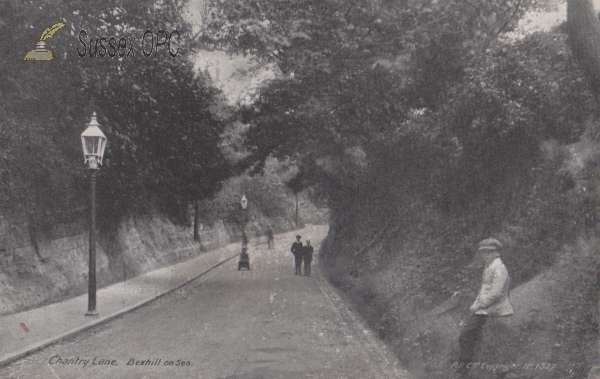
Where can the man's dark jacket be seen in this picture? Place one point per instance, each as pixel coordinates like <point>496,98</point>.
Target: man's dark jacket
<point>297,250</point>
<point>307,253</point>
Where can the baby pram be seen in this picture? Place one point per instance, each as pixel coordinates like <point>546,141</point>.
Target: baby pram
<point>244,260</point>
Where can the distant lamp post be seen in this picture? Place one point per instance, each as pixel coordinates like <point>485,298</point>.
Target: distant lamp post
<point>244,203</point>
<point>94,142</point>
<point>296,194</point>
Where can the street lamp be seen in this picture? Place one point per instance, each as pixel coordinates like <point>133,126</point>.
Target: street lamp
<point>244,203</point>
<point>94,142</point>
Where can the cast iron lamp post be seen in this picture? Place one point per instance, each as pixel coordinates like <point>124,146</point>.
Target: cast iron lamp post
<point>244,203</point>
<point>94,142</point>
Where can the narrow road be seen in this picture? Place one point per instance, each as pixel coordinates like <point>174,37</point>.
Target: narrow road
<point>263,323</point>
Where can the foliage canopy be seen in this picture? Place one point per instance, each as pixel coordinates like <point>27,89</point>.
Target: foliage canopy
<point>157,112</point>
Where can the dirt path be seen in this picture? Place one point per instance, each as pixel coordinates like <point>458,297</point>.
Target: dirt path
<point>263,323</point>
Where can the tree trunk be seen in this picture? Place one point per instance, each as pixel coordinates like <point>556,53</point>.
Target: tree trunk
<point>197,220</point>
<point>584,35</point>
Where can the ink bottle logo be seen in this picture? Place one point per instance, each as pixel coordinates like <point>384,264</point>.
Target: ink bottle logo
<point>41,53</point>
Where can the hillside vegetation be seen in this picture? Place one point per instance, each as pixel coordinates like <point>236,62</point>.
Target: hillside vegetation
<point>415,277</point>
<point>520,164</point>
<point>506,156</point>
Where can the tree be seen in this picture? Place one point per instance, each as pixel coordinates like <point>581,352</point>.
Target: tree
<point>163,138</point>
<point>350,72</point>
<point>296,184</point>
<point>584,32</point>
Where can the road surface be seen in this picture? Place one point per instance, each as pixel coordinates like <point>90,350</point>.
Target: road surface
<point>263,323</point>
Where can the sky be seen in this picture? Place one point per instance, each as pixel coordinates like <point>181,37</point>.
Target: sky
<point>238,76</point>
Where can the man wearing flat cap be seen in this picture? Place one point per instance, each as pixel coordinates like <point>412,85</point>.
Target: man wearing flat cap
<point>491,301</point>
<point>297,251</point>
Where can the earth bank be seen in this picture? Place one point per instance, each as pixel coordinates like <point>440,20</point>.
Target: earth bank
<point>414,274</point>
<point>39,267</point>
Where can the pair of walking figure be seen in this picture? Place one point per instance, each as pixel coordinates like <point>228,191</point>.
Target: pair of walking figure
<point>302,253</point>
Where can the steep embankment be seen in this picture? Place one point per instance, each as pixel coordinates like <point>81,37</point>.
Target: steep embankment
<point>56,266</point>
<point>413,275</point>
<point>40,267</point>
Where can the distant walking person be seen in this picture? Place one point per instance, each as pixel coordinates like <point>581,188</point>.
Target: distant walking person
<point>269,237</point>
<point>492,300</point>
<point>297,251</point>
<point>244,259</point>
<point>307,253</point>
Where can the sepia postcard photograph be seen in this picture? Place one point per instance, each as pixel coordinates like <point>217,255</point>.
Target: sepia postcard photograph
<point>296,189</point>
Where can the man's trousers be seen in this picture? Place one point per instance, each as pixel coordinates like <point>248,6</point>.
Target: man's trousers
<point>307,268</point>
<point>469,339</point>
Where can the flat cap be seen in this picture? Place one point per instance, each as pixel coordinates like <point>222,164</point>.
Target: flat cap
<point>298,236</point>
<point>490,244</point>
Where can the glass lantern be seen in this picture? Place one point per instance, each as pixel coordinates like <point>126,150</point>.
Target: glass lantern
<point>94,143</point>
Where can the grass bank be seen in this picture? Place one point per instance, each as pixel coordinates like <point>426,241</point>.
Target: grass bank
<point>412,273</point>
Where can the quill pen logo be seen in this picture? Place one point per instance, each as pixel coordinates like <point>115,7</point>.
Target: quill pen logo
<point>41,53</point>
